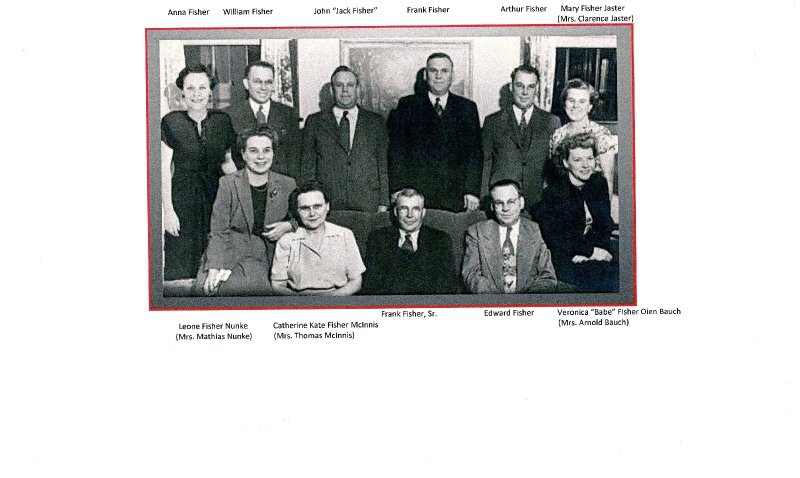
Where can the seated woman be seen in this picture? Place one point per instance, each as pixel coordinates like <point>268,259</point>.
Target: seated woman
<point>319,258</point>
<point>249,216</point>
<point>574,216</point>
<point>578,98</point>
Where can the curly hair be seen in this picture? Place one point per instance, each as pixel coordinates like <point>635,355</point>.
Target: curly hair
<point>212,80</point>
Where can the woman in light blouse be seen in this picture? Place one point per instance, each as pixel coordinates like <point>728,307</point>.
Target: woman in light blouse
<point>320,258</point>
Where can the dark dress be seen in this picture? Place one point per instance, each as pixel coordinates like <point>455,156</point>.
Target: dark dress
<point>561,214</point>
<point>197,159</point>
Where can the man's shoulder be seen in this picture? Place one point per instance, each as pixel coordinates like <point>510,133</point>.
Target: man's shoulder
<point>528,227</point>
<point>369,116</point>
<point>495,119</point>
<point>482,226</point>
<point>238,107</point>
<point>461,100</point>
<point>433,233</point>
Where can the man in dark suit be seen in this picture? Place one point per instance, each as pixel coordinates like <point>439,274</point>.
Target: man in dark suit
<point>409,258</point>
<point>345,148</point>
<point>507,254</point>
<point>435,142</point>
<point>258,108</point>
<point>516,139</point>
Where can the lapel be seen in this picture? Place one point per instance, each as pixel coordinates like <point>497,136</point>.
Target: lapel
<point>272,121</point>
<point>490,245</point>
<point>511,128</point>
<point>360,135</point>
<point>524,255</point>
<point>245,198</point>
<point>275,187</point>
<point>331,128</point>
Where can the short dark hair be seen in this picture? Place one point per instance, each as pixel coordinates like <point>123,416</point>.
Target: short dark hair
<point>212,80</point>
<point>525,69</point>
<point>580,140</point>
<point>342,68</point>
<point>407,193</point>
<point>259,130</point>
<point>309,186</point>
<point>439,54</point>
<point>578,84</point>
<point>505,182</point>
<point>261,63</point>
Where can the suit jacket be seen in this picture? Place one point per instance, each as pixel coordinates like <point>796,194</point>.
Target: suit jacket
<point>391,270</point>
<point>441,157</point>
<point>283,120</point>
<point>483,260</point>
<point>357,180</point>
<point>232,238</point>
<point>505,157</point>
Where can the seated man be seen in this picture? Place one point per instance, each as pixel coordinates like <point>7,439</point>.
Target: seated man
<point>507,254</point>
<point>249,216</point>
<point>320,258</point>
<point>576,220</point>
<point>408,257</point>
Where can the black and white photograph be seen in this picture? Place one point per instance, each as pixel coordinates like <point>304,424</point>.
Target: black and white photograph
<point>405,166</point>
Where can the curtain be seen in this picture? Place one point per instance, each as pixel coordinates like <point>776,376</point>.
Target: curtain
<point>277,53</point>
<point>172,62</point>
<point>543,57</point>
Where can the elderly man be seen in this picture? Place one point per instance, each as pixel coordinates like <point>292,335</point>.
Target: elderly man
<point>346,148</point>
<point>435,142</point>
<point>408,257</point>
<point>507,254</point>
<point>259,109</point>
<point>516,139</point>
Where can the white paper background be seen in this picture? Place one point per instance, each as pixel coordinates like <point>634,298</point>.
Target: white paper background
<point>95,385</point>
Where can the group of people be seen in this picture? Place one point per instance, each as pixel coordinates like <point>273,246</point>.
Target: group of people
<point>237,221</point>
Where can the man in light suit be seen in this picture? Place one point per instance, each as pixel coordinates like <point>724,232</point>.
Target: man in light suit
<point>516,139</point>
<point>409,257</point>
<point>259,108</point>
<point>435,142</point>
<point>345,148</point>
<point>250,214</point>
<point>507,254</point>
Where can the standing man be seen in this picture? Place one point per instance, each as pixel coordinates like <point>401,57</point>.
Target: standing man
<point>409,258</point>
<point>516,139</point>
<point>435,142</point>
<point>258,109</point>
<point>507,254</point>
<point>346,149</point>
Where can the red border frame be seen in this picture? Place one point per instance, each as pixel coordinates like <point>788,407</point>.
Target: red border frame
<point>417,306</point>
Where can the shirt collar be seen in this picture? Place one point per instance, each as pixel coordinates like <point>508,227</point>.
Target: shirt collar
<point>442,99</point>
<point>518,113</point>
<point>352,113</point>
<point>254,106</point>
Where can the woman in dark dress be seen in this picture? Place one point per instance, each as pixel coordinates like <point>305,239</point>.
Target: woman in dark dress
<point>195,145</point>
<point>575,217</point>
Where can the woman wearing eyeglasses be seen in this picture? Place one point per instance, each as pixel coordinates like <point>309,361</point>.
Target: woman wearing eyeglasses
<point>320,258</point>
<point>575,218</point>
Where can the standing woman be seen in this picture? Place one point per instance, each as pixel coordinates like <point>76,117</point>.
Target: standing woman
<point>195,153</point>
<point>578,98</point>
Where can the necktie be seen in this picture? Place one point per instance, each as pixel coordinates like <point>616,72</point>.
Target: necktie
<point>523,129</point>
<point>438,107</point>
<point>344,132</point>
<point>407,244</point>
<point>509,264</point>
<point>260,118</point>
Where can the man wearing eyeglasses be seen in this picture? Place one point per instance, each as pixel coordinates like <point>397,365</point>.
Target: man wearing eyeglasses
<point>409,257</point>
<point>507,254</point>
<point>258,108</point>
<point>575,216</point>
